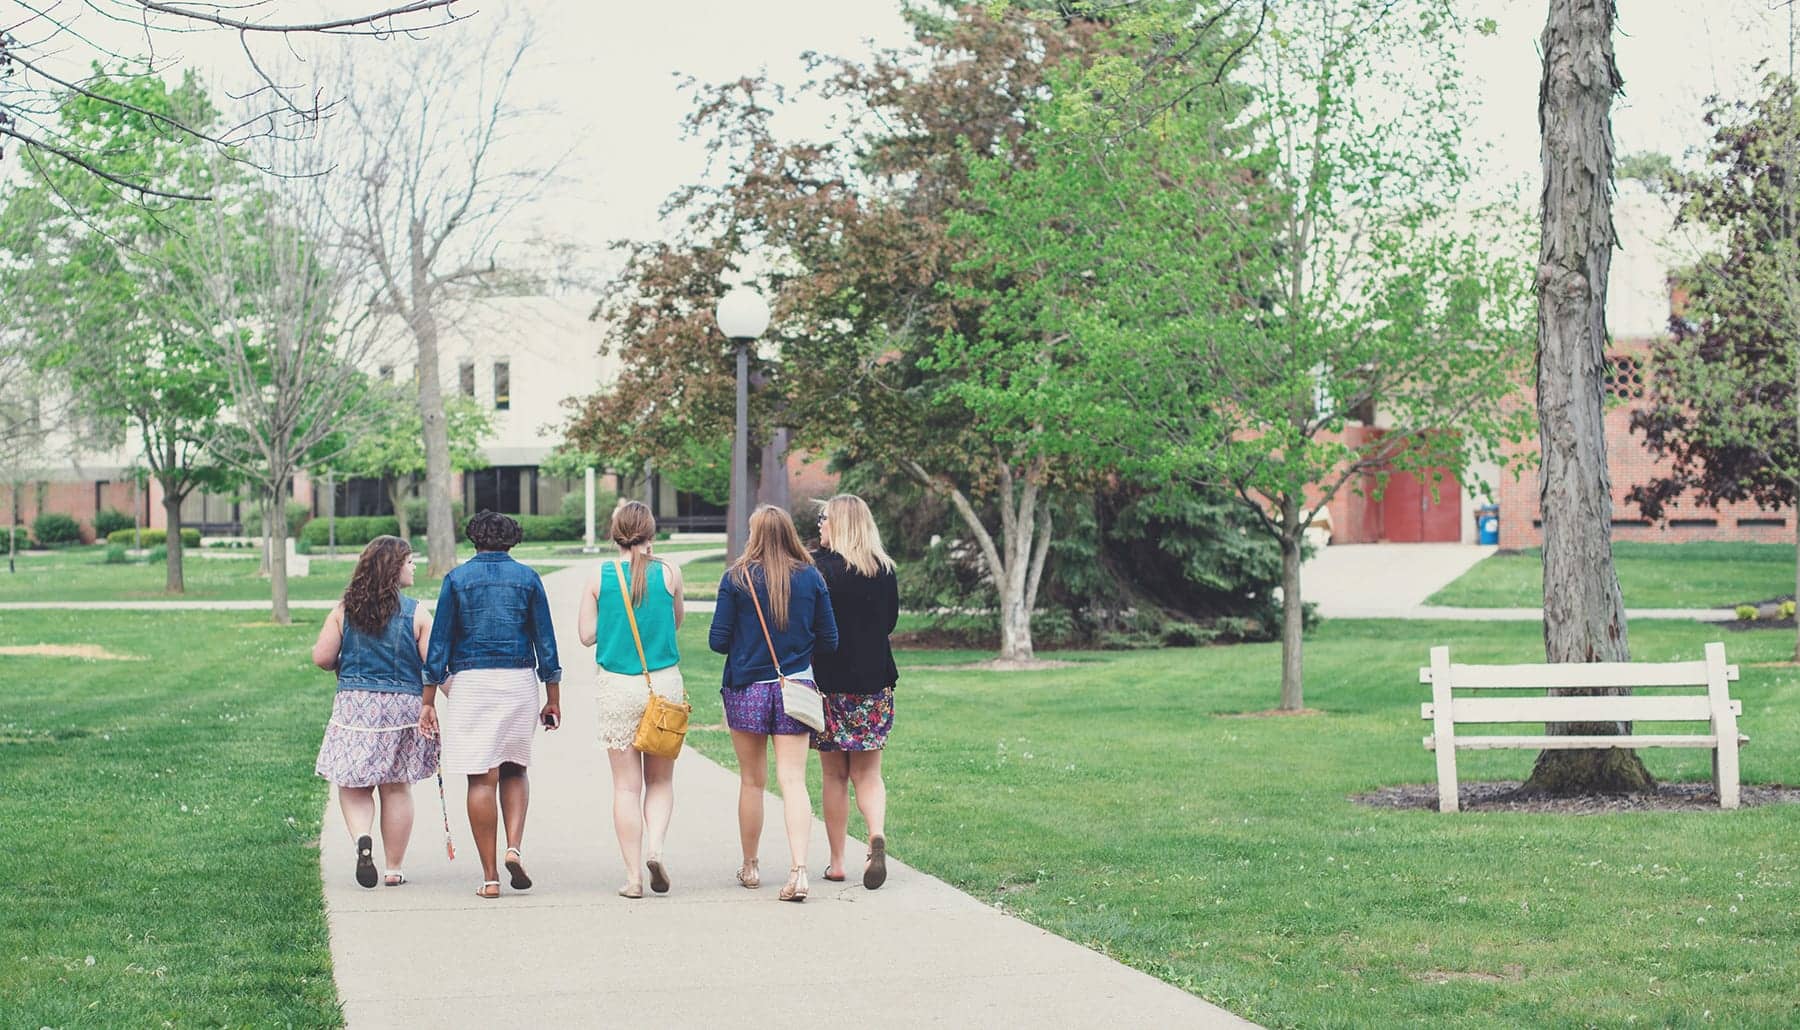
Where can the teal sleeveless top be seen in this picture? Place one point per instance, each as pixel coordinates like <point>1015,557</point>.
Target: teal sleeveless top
<point>613,647</point>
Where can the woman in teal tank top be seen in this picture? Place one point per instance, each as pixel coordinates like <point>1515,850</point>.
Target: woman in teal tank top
<point>643,785</point>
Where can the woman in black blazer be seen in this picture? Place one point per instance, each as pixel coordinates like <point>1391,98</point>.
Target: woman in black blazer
<point>857,682</point>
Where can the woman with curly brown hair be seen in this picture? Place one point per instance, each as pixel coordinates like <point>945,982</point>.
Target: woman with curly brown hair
<point>374,639</point>
<point>491,645</point>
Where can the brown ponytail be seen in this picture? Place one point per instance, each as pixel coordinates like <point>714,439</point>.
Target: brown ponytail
<point>632,527</point>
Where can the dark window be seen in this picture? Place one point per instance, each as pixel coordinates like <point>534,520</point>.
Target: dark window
<point>1630,523</point>
<point>498,488</point>
<point>502,395</point>
<point>468,378</point>
<point>1762,522</point>
<point>387,373</point>
<point>1693,522</point>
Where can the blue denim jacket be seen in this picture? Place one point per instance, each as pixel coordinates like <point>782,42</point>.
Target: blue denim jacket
<point>492,613</point>
<point>738,635</point>
<point>386,664</point>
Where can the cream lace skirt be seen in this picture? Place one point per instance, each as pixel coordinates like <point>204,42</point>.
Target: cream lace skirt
<point>623,698</point>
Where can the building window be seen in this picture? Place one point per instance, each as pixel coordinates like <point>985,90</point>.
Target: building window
<point>467,375</point>
<point>1693,523</point>
<point>502,386</point>
<point>1761,522</point>
<point>386,373</point>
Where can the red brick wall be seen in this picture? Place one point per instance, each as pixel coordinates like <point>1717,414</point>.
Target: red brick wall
<point>1631,464</point>
<point>75,499</point>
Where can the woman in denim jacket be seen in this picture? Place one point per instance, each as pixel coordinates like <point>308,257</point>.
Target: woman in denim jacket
<point>374,639</point>
<point>492,630</point>
<point>776,574</point>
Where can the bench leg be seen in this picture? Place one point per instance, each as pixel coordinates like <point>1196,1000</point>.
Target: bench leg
<point>1725,770</point>
<point>1446,770</point>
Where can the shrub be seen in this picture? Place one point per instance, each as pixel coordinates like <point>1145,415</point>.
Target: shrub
<point>1787,609</point>
<point>54,528</point>
<point>190,537</point>
<point>115,554</point>
<point>352,530</point>
<point>22,537</point>
<point>297,517</point>
<point>108,521</point>
<point>1746,612</point>
<point>157,554</point>
<point>539,528</point>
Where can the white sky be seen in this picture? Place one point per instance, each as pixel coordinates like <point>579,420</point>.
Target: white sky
<point>610,70</point>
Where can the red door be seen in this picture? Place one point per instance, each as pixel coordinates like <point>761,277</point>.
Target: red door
<point>1410,516</point>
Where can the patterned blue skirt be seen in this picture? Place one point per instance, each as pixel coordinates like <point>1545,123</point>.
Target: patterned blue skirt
<point>373,738</point>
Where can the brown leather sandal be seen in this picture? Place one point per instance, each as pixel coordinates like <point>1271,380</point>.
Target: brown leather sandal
<point>796,885</point>
<point>749,875</point>
<point>875,874</point>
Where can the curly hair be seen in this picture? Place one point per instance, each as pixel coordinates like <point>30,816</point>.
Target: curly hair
<point>373,595</point>
<point>492,531</point>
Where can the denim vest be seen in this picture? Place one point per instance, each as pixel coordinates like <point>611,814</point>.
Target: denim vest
<point>387,663</point>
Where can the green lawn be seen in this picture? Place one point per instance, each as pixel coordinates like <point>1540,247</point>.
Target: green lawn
<point>81,574</point>
<point>1112,801</point>
<point>1702,575</point>
<point>161,821</point>
<point>702,578</point>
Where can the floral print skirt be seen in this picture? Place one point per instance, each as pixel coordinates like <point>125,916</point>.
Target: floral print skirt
<point>856,722</point>
<point>373,738</point>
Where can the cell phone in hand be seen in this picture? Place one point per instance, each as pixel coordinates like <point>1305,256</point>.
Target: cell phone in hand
<point>550,720</point>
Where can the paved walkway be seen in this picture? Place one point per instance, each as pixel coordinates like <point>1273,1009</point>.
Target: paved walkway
<point>571,953</point>
<point>1393,581</point>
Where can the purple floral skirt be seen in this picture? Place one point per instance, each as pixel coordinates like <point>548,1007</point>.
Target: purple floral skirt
<point>757,708</point>
<point>856,722</point>
<point>373,738</point>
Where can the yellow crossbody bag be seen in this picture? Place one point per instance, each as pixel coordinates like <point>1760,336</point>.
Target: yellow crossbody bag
<point>665,722</point>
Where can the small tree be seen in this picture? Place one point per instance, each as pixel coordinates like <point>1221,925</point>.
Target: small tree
<point>392,446</point>
<point>1726,405</point>
<point>271,302</point>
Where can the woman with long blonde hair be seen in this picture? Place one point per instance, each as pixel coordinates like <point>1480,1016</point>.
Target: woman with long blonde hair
<point>857,681</point>
<point>643,784</point>
<point>771,599</point>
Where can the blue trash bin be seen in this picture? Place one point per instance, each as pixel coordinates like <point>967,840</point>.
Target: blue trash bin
<point>1487,524</point>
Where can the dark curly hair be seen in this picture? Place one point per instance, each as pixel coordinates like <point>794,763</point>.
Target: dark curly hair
<point>373,595</point>
<point>492,531</point>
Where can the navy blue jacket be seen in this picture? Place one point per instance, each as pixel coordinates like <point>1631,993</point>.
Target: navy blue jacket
<point>739,637</point>
<point>492,613</point>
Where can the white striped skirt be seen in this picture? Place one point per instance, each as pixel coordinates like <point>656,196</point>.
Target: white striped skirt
<point>489,717</point>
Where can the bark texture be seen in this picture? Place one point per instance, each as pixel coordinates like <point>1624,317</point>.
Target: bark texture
<point>173,581</point>
<point>440,533</point>
<point>1293,612</point>
<point>1584,613</point>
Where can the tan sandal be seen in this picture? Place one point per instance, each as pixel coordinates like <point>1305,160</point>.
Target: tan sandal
<point>796,885</point>
<point>749,875</point>
<point>632,890</point>
<point>485,894</point>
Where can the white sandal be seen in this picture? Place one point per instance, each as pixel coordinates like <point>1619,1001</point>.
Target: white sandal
<point>481,891</point>
<point>393,878</point>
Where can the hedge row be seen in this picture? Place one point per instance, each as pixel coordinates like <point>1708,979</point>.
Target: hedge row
<point>190,537</point>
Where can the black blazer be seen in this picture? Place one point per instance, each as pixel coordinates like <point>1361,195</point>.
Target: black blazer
<point>867,607</point>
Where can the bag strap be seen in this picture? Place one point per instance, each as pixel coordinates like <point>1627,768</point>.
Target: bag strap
<point>631,616</point>
<point>765,626</point>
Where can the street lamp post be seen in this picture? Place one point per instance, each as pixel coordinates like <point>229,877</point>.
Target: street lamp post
<point>742,316</point>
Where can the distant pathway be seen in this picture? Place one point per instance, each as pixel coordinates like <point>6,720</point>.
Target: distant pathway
<point>570,953</point>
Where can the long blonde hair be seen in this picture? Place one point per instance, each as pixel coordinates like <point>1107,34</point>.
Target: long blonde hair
<point>775,545</point>
<point>855,536</point>
<point>632,527</point>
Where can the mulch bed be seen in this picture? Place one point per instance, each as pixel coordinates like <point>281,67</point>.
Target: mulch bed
<point>1503,796</point>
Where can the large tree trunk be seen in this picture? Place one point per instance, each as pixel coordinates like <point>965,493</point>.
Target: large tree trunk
<point>440,534</point>
<point>1584,613</point>
<point>1293,612</point>
<point>1797,579</point>
<point>174,582</point>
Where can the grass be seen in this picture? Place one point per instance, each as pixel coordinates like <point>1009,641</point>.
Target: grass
<point>161,824</point>
<point>81,574</point>
<point>1699,575</point>
<point>1115,803</point>
<point>701,578</point>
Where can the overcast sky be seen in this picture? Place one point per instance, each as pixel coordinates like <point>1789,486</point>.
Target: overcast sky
<point>610,70</point>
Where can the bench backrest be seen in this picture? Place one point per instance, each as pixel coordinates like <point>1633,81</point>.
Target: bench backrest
<point>1712,674</point>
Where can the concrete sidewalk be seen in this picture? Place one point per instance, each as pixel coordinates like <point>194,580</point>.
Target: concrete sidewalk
<point>571,953</point>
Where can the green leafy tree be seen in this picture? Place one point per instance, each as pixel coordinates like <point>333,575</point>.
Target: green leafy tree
<point>1218,300</point>
<point>1725,409</point>
<point>392,448</point>
<point>90,273</point>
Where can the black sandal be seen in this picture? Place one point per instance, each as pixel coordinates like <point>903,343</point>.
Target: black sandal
<point>515,864</point>
<point>365,861</point>
<point>876,874</point>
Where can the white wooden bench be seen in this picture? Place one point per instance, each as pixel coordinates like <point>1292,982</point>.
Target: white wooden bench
<point>1446,711</point>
